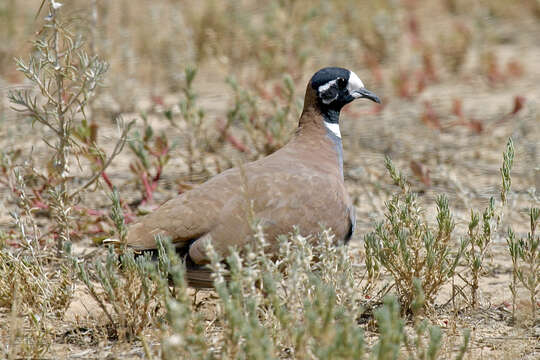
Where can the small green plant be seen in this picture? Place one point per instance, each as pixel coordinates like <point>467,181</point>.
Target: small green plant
<point>184,334</point>
<point>479,237</point>
<point>292,305</point>
<point>192,122</point>
<point>478,242</point>
<point>152,153</point>
<point>406,246</point>
<point>305,303</point>
<point>123,288</point>
<point>318,297</point>
<point>66,78</point>
<point>117,216</point>
<point>124,285</point>
<point>392,334</point>
<point>391,327</point>
<point>525,255</point>
<point>33,289</point>
<point>514,249</point>
<point>266,120</point>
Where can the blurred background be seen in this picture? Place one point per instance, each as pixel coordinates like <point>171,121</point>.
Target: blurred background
<point>457,78</point>
<point>210,84</point>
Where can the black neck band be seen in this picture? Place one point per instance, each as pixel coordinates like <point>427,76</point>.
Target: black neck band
<point>330,115</point>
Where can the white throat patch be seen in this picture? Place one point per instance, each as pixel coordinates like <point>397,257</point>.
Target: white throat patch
<point>334,128</point>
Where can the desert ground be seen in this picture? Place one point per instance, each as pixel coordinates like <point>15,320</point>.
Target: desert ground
<point>457,80</point>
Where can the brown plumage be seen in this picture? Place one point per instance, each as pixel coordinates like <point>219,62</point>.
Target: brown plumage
<point>300,184</point>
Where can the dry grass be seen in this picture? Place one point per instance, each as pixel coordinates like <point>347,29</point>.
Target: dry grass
<point>457,80</point>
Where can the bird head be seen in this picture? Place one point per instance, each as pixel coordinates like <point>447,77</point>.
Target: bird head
<point>336,87</point>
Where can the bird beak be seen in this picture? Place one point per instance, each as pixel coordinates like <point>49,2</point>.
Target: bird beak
<point>365,93</point>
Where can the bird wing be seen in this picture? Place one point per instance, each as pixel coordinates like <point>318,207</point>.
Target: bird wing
<point>279,201</point>
<point>187,216</point>
<point>279,191</point>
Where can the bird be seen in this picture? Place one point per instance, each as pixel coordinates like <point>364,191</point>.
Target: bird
<point>301,185</point>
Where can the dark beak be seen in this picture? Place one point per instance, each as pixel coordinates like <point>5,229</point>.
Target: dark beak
<point>365,93</point>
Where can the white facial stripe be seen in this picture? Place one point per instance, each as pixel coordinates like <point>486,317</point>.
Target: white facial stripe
<point>334,128</point>
<point>354,84</point>
<point>326,86</point>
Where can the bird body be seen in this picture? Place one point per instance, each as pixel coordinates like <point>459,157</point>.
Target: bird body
<point>299,185</point>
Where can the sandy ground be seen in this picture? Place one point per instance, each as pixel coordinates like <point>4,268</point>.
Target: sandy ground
<point>461,163</point>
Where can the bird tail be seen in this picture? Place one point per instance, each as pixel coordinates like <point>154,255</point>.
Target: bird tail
<point>200,278</point>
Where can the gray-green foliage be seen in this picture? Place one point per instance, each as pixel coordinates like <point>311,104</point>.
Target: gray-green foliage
<point>303,304</point>
<point>479,234</point>
<point>267,121</point>
<point>64,78</point>
<point>117,216</point>
<point>184,332</point>
<point>33,296</point>
<point>393,338</point>
<point>123,287</point>
<point>525,255</point>
<point>409,248</point>
<point>391,327</point>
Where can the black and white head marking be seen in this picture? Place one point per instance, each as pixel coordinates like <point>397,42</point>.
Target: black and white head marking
<point>328,92</point>
<point>335,88</point>
<point>355,85</point>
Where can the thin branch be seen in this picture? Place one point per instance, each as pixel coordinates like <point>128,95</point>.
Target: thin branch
<point>75,97</point>
<point>30,109</point>
<point>117,150</point>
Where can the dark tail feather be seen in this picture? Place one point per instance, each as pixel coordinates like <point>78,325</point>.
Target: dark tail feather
<point>197,276</point>
<point>200,278</point>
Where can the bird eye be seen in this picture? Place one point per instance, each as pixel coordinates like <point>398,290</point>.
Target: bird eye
<point>341,82</point>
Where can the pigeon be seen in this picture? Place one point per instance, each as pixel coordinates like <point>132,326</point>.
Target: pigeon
<point>300,186</point>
